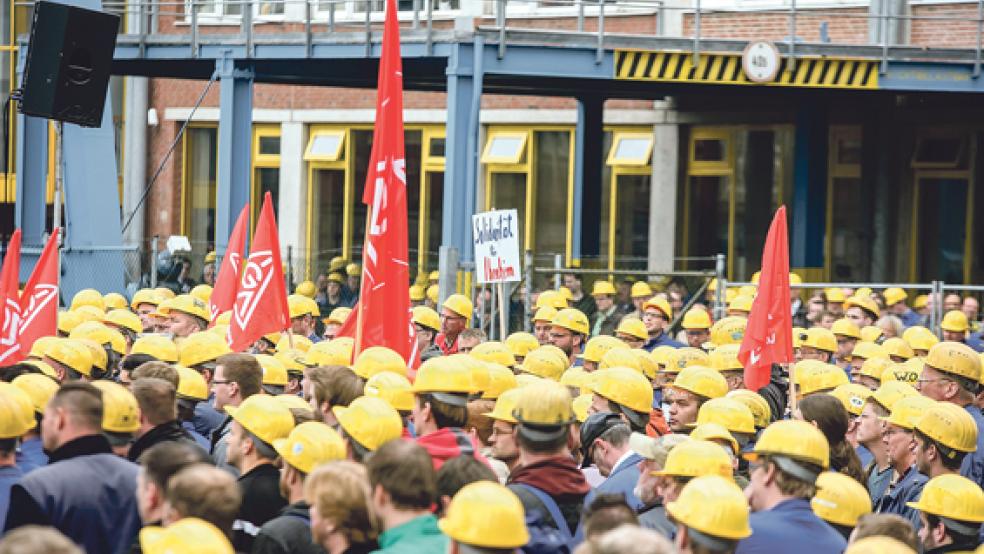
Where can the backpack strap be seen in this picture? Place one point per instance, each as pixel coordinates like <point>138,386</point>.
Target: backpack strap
<point>551,506</point>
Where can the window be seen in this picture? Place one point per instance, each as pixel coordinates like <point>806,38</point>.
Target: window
<point>325,146</point>
<point>631,149</point>
<point>198,197</point>
<point>505,148</point>
<point>940,152</point>
<point>848,225</point>
<point>266,168</point>
<point>626,191</point>
<point>215,8</point>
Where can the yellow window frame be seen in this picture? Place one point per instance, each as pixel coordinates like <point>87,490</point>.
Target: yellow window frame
<point>186,168</point>
<point>619,168</point>
<point>962,174</point>
<point>724,168</point>
<point>499,134</point>
<point>927,135</point>
<point>641,161</point>
<point>320,131</point>
<point>260,161</point>
<point>837,170</point>
<point>430,163</point>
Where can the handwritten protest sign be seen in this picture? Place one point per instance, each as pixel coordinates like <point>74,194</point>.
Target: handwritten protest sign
<point>496,237</point>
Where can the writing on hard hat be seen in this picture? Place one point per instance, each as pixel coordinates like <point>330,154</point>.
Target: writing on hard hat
<point>728,330</point>
<point>852,396</point>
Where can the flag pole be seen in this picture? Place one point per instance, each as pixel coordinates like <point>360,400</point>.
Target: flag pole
<point>362,290</point>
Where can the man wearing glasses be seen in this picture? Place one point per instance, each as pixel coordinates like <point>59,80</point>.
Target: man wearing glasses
<point>456,312</point>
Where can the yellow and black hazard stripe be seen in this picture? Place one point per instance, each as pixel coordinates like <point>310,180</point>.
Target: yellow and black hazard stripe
<point>725,69</point>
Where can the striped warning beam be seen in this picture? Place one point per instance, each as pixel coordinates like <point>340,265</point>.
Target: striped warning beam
<point>725,69</point>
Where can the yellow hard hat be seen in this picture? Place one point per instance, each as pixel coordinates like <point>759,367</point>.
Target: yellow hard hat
<point>263,416</point>
<point>603,288</point>
<point>477,369</point>
<point>101,334</point>
<point>895,346</point>
<point>121,413</point>
<point>337,263</point>
<point>543,363</point>
<point>146,296</point>
<point>434,275</point>
<point>748,290</point>
<point>864,302</point>
<point>98,353</point>
<point>501,379</point>
<point>375,359</point>
<point>581,405</point>
<point>701,381</point>
<point>426,317</point>
<point>696,319</point>
<point>659,303</point>
<point>730,414</point>
<point>852,396</point>
<point>202,292</point>
<point>157,346</point>
<point>334,352</point>
<point>566,293</point>
<point>274,372</point>
<point>620,357</point>
<point>920,302</point>
<point>370,421</point>
<point>596,347</point>
<point>891,392</point>
<point>89,313</point>
<point>868,350</point>
<point>955,358</point>
<point>875,367</point>
<point>955,321</point>
<point>459,304</point>
<point>295,403</point>
<point>45,368</point>
<point>16,411</point>
<point>894,295</point>
<point>392,387</point>
<point>68,321</point>
<point>725,358</point>
<point>573,320</point>
<point>695,458</point>
<point>793,439</point>
<point>819,377</point>
<point>432,293</point>
<point>576,377</point>
<point>923,341</point>
<point>191,385</point>
<point>417,293</point>
<point>819,338</point>
<point>907,372</point>
<point>40,347</point>
<point>662,355</point>
<point>442,375</point>
<point>521,343</point>
<point>544,403</point>
<point>185,303</point>
<point>88,297</point>
<point>353,270</point>
<point>951,426</point>
<point>39,388</point>
<point>756,403</point>
<point>756,277</point>
<point>634,327</point>
<point>202,347</point>
<point>306,288</point>
<point>954,498</point>
<point>871,333</point>
<point>907,411</point>
<point>840,499</point>
<point>494,351</point>
<point>336,277</point>
<point>626,387</point>
<point>504,406</point>
<point>846,327</point>
<point>878,544</point>
<point>299,305</point>
<point>114,301</point>
<point>647,362</point>
<point>712,505</point>
<point>124,318</point>
<point>211,257</point>
<point>682,358</point>
<point>715,431</point>
<point>485,514</point>
<point>641,289</point>
<point>545,313</point>
<point>185,535</point>
<point>728,330</point>
<point>835,295</point>
<point>72,353</point>
<point>309,445</point>
<point>798,333</point>
<point>339,315</point>
<point>741,303</point>
<point>291,358</point>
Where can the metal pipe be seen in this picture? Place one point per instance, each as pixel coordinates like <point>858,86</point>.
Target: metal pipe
<point>530,287</point>
<point>331,17</point>
<point>194,29</point>
<point>977,43</point>
<point>580,16</point>
<point>416,14</point>
<point>500,20</point>
<point>248,22</point>
<point>600,53</point>
<point>307,28</point>
<point>696,59</point>
<point>558,269</point>
<point>792,35</point>
<point>368,28</point>
<point>153,261</point>
<point>430,27</point>
<point>883,67</point>
<point>722,284</point>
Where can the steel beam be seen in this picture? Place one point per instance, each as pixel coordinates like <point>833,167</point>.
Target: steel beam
<point>31,165</point>
<point>235,142</point>
<point>586,217</point>
<point>809,188</point>
<point>460,180</point>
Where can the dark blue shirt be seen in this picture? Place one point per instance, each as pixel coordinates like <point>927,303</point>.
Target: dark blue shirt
<point>8,476</point>
<point>622,480</point>
<point>662,340</point>
<point>907,489</point>
<point>30,455</point>
<point>975,341</point>
<point>789,526</point>
<point>972,466</point>
<point>206,418</point>
<point>910,318</point>
<point>864,455</point>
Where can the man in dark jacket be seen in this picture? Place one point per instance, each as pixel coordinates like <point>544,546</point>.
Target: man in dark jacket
<point>309,445</point>
<point>158,417</point>
<point>85,491</point>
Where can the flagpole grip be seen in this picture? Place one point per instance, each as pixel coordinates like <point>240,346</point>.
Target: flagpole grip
<point>362,290</point>
<point>792,388</point>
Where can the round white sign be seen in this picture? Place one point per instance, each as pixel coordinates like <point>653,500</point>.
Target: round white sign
<point>760,61</point>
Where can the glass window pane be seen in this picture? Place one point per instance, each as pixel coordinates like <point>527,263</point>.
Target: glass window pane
<point>275,7</point>
<point>939,150</point>
<point>633,149</point>
<point>849,239</point>
<point>413,147</point>
<point>505,147</point>
<point>606,187</point>
<point>941,231</point>
<point>267,180</point>
<point>709,150</point>
<point>707,218</point>
<point>326,145</point>
<point>753,203</point>
<point>552,180</point>
<point>270,145</point>
<point>437,145</point>
<point>849,150</point>
<point>509,192</point>
<point>328,200</point>
<point>632,231</point>
<point>435,215</point>
<point>233,7</point>
<point>362,145</point>
<point>200,191</point>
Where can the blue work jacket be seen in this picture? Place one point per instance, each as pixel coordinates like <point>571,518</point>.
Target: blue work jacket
<point>790,526</point>
<point>907,489</point>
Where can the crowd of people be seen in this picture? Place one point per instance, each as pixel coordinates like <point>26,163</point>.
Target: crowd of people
<point>137,429</point>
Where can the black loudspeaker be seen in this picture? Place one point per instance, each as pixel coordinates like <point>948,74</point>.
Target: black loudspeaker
<point>68,63</point>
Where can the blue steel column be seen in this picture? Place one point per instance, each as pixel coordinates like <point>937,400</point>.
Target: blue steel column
<point>31,166</point>
<point>235,141</point>
<point>586,217</point>
<point>809,218</point>
<point>460,181</point>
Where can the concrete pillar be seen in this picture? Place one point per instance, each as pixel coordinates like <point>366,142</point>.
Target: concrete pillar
<point>293,195</point>
<point>235,147</point>
<point>663,195</point>
<point>588,140</point>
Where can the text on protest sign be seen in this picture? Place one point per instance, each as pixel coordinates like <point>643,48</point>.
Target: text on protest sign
<point>496,236</point>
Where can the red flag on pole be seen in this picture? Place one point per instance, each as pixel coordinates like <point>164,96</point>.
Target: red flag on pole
<point>9,295</point>
<point>382,317</point>
<point>227,282</point>
<point>39,301</point>
<point>261,303</point>
<point>769,334</point>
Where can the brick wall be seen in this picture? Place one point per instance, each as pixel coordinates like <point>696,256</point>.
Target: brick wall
<point>961,31</point>
<point>845,26</point>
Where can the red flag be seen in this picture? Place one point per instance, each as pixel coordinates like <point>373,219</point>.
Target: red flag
<point>227,282</point>
<point>261,303</point>
<point>39,301</point>
<point>769,334</point>
<point>383,316</point>
<point>10,351</point>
